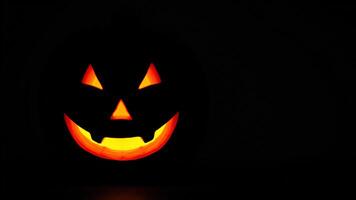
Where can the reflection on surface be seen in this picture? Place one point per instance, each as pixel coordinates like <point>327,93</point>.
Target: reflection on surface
<point>122,193</point>
<point>131,193</point>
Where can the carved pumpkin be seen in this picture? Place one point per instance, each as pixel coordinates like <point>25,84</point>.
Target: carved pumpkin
<point>122,93</point>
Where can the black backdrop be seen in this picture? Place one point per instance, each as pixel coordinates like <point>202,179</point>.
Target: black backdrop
<point>280,99</point>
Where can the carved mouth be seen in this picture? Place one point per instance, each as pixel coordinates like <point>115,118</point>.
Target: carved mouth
<point>130,148</point>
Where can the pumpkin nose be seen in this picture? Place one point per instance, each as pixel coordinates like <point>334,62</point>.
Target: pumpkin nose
<point>121,112</point>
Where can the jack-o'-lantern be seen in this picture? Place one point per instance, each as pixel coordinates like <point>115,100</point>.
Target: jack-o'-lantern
<point>122,93</point>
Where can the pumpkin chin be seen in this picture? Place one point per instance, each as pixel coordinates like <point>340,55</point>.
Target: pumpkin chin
<point>132,148</point>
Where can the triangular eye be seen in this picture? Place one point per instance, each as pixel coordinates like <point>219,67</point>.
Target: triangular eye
<point>91,79</point>
<point>151,77</point>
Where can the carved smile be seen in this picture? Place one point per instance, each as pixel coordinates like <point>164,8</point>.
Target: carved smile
<point>131,148</point>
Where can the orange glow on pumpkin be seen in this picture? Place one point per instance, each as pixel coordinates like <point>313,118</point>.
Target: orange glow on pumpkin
<point>91,79</point>
<point>122,148</point>
<point>121,113</point>
<point>130,148</point>
<point>151,77</point>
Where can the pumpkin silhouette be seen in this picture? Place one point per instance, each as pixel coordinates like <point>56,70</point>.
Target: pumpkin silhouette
<point>126,93</point>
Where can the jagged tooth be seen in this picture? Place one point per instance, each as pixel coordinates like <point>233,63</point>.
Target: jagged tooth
<point>147,138</point>
<point>97,138</point>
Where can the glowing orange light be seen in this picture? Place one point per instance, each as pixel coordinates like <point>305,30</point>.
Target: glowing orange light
<point>122,148</point>
<point>151,77</point>
<point>121,113</point>
<point>91,79</point>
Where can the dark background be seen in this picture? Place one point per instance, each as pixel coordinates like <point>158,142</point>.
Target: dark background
<point>281,81</point>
